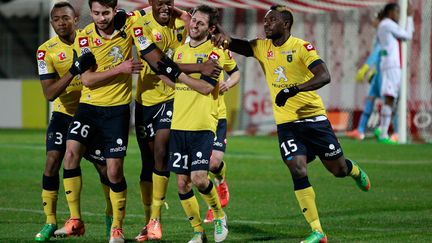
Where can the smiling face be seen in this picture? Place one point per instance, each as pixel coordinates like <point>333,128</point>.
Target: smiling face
<point>63,21</point>
<point>199,26</point>
<point>102,15</point>
<point>162,10</point>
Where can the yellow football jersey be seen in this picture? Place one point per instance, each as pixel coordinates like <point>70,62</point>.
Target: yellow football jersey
<point>109,52</point>
<point>230,66</point>
<point>54,59</point>
<point>194,111</point>
<point>285,66</point>
<point>148,34</point>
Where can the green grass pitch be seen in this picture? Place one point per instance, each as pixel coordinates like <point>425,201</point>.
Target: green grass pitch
<point>263,207</point>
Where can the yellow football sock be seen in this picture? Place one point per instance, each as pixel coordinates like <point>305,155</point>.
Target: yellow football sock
<point>211,197</point>
<point>146,188</point>
<point>306,199</point>
<point>108,206</point>
<point>191,208</point>
<point>49,199</point>
<point>160,185</point>
<point>220,175</point>
<point>118,201</point>
<point>72,186</point>
<point>355,172</point>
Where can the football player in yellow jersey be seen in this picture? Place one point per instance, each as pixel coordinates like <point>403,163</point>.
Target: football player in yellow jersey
<point>60,83</point>
<point>293,72</point>
<point>104,110</point>
<point>192,133</point>
<point>218,166</point>
<point>157,34</point>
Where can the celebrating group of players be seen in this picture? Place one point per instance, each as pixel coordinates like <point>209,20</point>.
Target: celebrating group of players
<point>180,114</point>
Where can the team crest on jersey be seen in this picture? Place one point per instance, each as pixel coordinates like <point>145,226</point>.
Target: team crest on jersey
<point>179,37</point>
<point>98,42</point>
<point>61,56</point>
<point>41,55</point>
<point>200,60</point>
<point>213,55</point>
<point>289,57</point>
<point>83,42</point>
<point>309,47</point>
<point>280,71</point>
<point>270,54</point>
<point>138,31</point>
<point>116,53</point>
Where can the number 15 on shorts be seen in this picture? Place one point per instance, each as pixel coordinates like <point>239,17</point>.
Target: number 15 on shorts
<point>287,148</point>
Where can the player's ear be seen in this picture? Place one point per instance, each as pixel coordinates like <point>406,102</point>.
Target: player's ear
<point>212,29</point>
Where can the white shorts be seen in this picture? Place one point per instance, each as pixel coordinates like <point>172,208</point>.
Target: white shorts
<point>391,80</point>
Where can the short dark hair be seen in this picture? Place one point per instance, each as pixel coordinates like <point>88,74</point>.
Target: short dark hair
<point>388,8</point>
<point>286,13</point>
<point>213,13</point>
<point>62,5</point>
<point>108,3</point>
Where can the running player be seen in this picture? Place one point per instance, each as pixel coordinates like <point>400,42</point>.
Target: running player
<point>303,128</point>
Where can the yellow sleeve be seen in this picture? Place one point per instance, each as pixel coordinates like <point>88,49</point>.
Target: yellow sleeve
<point>46,68</point>
<point>256,47</point>
<point>140,37</point>
<point>308,54</point>
<point>230,64</point>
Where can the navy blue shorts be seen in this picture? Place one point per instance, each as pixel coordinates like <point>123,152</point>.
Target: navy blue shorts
<point>56,137</point>
<point>220,140</point>
<point>309,137</point>
<point>190,151</point>
<point>57,131</point>
<point>111,123</point>
<point>149,119</point>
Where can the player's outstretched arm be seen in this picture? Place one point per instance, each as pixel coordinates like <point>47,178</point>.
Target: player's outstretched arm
<point>222,39</point>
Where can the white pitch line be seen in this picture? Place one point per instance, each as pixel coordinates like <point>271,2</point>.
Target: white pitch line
<point>246,156</point>
<point>24,210</point>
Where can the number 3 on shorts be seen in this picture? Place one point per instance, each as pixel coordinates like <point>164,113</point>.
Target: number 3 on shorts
<point>289,147</point>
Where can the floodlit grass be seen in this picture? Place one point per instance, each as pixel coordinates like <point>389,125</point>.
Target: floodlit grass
<point>263,207</point>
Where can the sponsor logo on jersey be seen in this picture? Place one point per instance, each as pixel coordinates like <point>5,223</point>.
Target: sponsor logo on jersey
<point>61,56</point>
<point>280,71</point>
<point>270,54</point>
<point>143,42</point>
<point>83,42</point>
<point>98,42</point>
<point>116,53</point>
<point>41,55</point>
<point>130,14</point>
<point>213,55</point>
<point>138,31</point>
<point>309,47</point>
<point>179,56</point>
<point>230,54</point>
<point>158,37</point>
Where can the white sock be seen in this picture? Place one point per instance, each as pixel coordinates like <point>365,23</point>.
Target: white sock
<point>386,112</point>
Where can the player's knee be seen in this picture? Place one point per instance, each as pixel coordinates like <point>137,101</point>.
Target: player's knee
<point>183,186</point>
<point>200,180</point>
<point>214,163</point>
<point>115,173</point>
<point>339,171</point>
<point>71,159</point>
<point>52,165</point>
